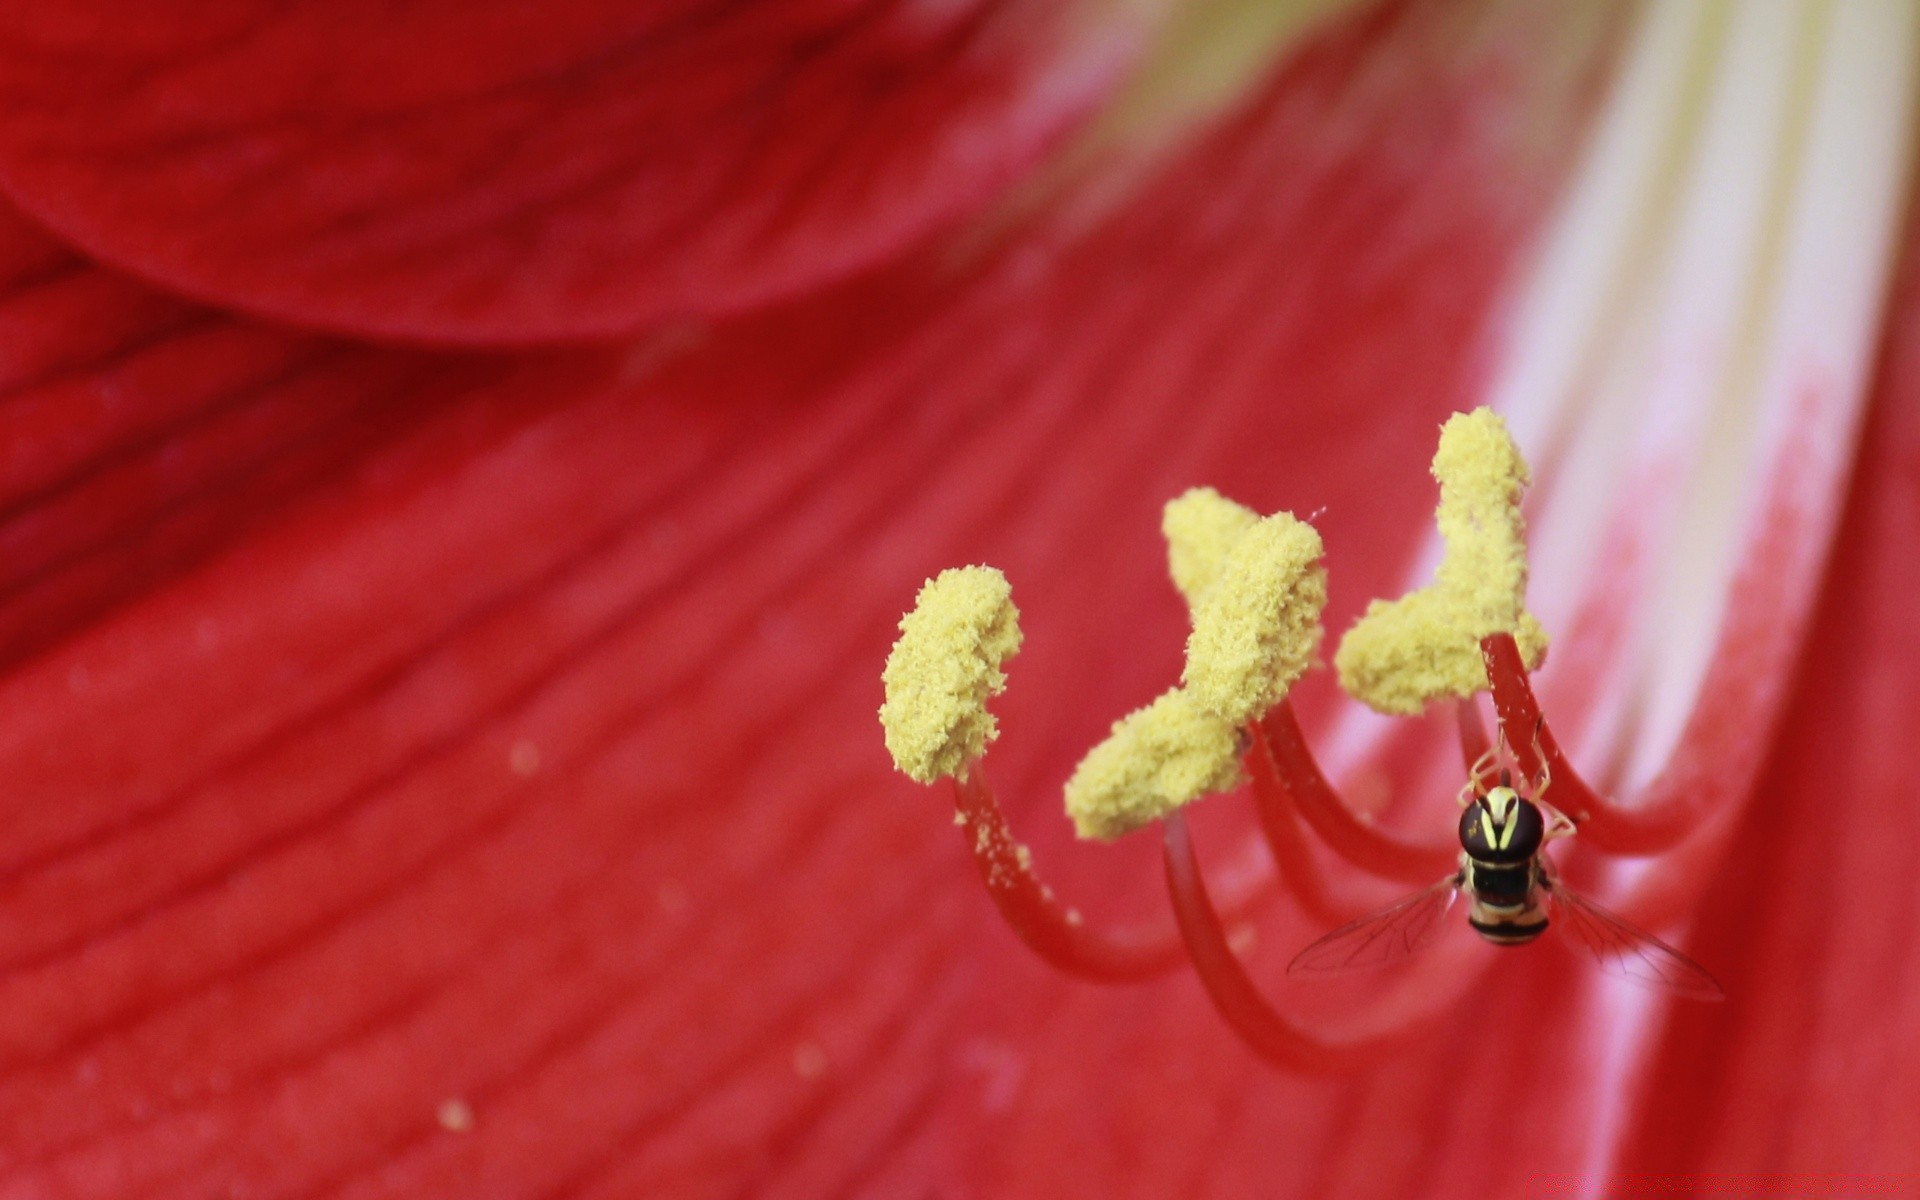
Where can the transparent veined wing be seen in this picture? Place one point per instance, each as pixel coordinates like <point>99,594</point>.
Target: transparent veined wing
<point>1626,952</point>
<point>1385,937</point>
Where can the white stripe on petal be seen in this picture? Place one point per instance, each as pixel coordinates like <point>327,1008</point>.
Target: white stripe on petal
<point>1725,250</point>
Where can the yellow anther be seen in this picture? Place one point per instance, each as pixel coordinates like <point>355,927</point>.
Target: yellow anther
<point>1482,478</point>
<point>1167,754</point>
<point>1404,653</point>
<point>943,670</point>
<point>1201,527</point>
<point>1258,627</point>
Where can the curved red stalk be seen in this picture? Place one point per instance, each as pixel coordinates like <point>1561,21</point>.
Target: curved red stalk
<point>1285,836</point>
<point>1051,929</point>
<point>1270,1035</point>
<point>1352,838</point>
<point>1603,824</point>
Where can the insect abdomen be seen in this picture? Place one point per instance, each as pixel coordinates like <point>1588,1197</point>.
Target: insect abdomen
<point>1504,911</point>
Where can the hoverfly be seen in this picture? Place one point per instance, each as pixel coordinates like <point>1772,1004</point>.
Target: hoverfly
<point>1513,894</point>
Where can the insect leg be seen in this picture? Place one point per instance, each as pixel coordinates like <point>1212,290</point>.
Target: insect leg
<point>1481,766</point>
<point>1546,772</point>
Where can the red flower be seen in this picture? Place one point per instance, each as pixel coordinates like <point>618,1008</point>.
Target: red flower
<point>462,467</point>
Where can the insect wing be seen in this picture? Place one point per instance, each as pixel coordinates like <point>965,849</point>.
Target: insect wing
<point>1385,937</point>
<point>1624,951</point>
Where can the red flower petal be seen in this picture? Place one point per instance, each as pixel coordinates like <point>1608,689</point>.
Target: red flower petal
<point>517,748</point>
<point>506,172</point>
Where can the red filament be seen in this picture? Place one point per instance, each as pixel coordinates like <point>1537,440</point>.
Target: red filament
<point>1050,929</point>
<point>1270,1035</point>
<point>1286,837</point>
<point>1603,824</point>
<point>1372,850</point>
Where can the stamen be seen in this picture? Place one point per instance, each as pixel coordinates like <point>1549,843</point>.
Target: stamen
<point>1050,929</point>
<point>1270,1035</point>
<point>1403,654</point>
<point>1608,826</point>
<point>943,670</point>
<point>1370,849</point>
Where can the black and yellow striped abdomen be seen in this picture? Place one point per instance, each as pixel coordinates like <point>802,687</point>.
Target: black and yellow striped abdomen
<point>1506,909</point>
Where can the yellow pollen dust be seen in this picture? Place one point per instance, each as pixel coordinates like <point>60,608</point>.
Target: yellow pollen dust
<point>1404,653</point>
<point>1167,754</point>
<point>1257,628</point>
<point>1202,527</point>
<point>943,670</point>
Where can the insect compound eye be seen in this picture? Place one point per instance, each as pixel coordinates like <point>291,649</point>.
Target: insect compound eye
<point>1474,823</point>
<point>1513,840</point>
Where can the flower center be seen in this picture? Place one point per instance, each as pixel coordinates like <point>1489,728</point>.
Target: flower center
<point>1255,588</point>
